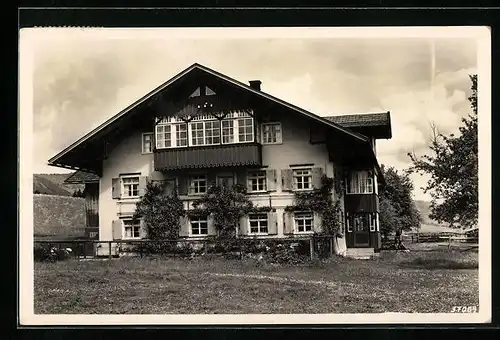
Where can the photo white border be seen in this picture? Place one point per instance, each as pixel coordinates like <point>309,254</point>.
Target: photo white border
<point>27,37</point>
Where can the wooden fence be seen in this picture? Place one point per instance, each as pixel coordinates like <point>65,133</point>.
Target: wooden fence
<point>313,247</point>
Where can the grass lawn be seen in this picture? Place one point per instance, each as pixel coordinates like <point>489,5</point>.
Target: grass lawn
<point>418,281</point>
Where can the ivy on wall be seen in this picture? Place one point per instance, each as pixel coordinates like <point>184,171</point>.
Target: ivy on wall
<point>321,201</point>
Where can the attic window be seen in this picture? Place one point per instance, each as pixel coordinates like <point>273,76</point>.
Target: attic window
<point>196,93</point>
<point>202,90</point>
<point>209,91</point>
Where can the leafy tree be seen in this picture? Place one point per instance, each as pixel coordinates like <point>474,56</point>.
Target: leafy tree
<point>160,211</point>
<point>396,202</point>
<point>453,169</point>
<point>388,218</point>
<point>226,205</point>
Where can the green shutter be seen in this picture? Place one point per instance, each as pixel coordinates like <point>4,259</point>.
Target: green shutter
<point>117,229</point>
<point>317,223</point>
<point>183,185</point>
<point>184,226</point>
<point>271,179</point>
<point>288,223</point>
<point>211,226</point>
<point>143,180</point>
<point>243,228</point>
<point>286,179</point>
<point>272,223</point>
<point>115,188</point>
<point>143,230</point>
<point>316,173</point>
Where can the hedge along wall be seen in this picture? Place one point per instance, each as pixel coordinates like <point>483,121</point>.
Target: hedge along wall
<point>58,217</point>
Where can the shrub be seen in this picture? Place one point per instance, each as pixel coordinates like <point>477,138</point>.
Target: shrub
<point>47,253</point>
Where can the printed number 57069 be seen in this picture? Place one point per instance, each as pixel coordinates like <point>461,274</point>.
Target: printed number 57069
<point>464,309</point>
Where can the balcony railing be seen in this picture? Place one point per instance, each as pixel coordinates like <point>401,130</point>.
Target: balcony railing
<point>247,154</point>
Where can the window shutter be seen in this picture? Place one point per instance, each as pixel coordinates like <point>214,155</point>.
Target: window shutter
<point>316,177</point>
<point>117,229</point>
<point>184,226</point>
<point>142,185</point>
<point>143,230</point>
<point>241,179</point>
<point>211,226</point>
<point>272,223</point>
<point>115,188</point>
<point>287,179</point>
<point>211,179</point>
<point>271,179</point>
<point>287,223</point>
<point>183,185</point>
<point>243,228</point>
<point>317,223</point>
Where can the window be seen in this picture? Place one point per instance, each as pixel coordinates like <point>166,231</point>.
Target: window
<point>245,130</point>
<point>147,142</point>
<point>199,226</point>
<point>271,133</point>
<point>181,134</point>
<point>360,183</point>
<point>303,222</point>
<point>197,133</point>
<point>257,181</point>
<point>130,186</point>
<point>131,228</point>
<point>227,131</point>
<point>258,223</point>
<point>163,136</point>
<point>226,181</point>
<point>302,179</point>
<point>170,185</point>
<point>198,184</point>
<point>212,132</point>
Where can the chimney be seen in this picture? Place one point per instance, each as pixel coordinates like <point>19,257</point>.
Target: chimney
<point>255,84</point>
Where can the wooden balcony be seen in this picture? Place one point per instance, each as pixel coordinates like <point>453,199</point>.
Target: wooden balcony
<point>231,155</point>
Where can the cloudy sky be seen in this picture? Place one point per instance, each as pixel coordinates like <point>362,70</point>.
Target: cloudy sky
<point>81,80</point>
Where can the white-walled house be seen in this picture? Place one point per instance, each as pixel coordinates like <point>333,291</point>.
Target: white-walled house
<point>201,128</point>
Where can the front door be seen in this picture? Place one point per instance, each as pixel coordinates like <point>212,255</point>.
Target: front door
<point>358,230</point>
<point>361,230</point>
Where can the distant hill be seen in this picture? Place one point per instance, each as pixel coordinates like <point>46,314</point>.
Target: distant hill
<point>53,184</point>
<point>429,225</point>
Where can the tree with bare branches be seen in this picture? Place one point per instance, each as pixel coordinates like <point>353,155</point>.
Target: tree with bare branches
<point>453,169</point>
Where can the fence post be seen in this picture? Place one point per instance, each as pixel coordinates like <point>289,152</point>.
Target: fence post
<point>109,244</point>
<point>84,249</point>
<point>311,247</point>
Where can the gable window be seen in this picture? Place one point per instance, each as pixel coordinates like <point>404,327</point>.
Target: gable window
<point>256,181</point>
<point>245,130</point>
<point>147,142</point>
<point>271,133</point>
<point>181,134</point>
<point>225,181</point>
<point>228,131</point>
<point>258,223</point>
<point>303,222</point>
<point>199,226</point>
<point>131,229</point>
<point>130,186</point>
<point>212,132</point>
<point>360,182</point>
<point>302,179</point>
<point>163,136</point>
<point>198,184</point>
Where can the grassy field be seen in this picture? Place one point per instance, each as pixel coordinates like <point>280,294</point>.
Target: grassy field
<point>431,281</point>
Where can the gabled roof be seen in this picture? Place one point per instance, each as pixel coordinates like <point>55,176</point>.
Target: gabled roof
<point>196,66</point>
<point>82,177</point>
